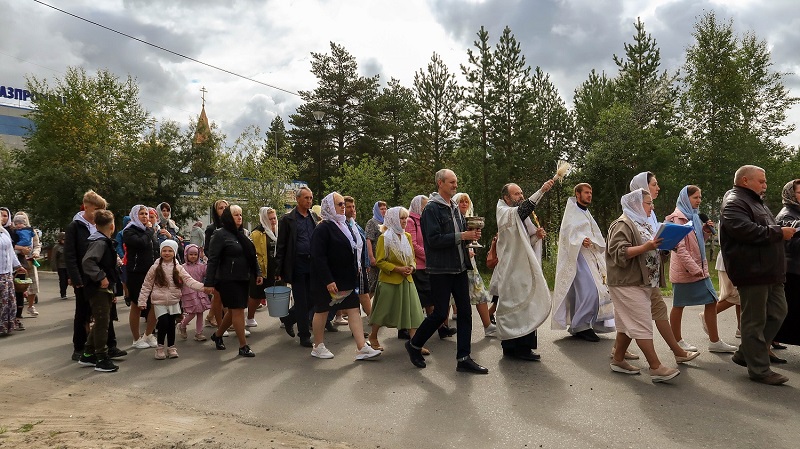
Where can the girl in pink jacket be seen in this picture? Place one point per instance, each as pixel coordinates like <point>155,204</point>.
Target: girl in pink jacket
<point>194,303</point>
<point>163,284</point>
<point>688,272</point>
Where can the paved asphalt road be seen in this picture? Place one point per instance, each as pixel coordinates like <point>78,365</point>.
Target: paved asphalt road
<point>569,399</point>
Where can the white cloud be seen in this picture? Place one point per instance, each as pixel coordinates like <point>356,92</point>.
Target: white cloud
<point>271,41</point>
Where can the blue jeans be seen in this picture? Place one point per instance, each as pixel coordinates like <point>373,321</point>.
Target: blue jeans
<point>442,286</point>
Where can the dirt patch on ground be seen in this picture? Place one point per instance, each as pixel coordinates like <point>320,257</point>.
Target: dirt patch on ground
<point>40,412</point>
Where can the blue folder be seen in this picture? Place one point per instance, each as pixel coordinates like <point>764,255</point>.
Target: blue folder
<point>672,234</point>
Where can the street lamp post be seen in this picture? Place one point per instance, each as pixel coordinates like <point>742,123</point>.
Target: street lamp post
<point>318,116</point>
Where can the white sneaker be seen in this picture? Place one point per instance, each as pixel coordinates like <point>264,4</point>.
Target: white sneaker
<point>721,346</point>
<point>225,334</point>
<point>686,346</point>
<point>340,321</point>
<point>250,322</point>
<point>366,353</point>
<point>490,331</point>
<point>151,340</point>
<point>703,322</point>
<point>32,311</point>
<point>321,352</point>
<point>141,343</point>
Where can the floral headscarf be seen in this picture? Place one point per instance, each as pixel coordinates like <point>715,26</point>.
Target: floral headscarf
<point>788,197</point>
<point>394,238</point>
<point>632,208</point>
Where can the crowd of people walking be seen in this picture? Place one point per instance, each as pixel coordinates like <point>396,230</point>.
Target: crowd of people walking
<point>407,268</point>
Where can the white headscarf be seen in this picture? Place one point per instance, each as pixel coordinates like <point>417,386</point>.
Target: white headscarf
<point>416,204</point>
<point>633,208</point>
<point>263,217</point>
<point>457,198</point>
<point>394,238</point>
<point>640,182</point>
<point>328,210</point>
<point>135,217</point>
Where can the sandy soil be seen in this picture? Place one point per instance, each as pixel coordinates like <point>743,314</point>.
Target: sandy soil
<point>41,412</point>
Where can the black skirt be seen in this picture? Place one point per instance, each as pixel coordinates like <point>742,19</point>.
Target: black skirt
<point>322,302</point>
<point>233,294</point>
<point>790,329</point>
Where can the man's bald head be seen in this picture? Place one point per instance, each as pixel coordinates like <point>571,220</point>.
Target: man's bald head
<point>751,177</point>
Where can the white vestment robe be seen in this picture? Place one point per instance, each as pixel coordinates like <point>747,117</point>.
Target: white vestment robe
<point>569,300</point>
<point>524,297</point>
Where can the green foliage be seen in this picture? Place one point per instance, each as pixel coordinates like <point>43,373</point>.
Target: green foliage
<point>79,143</point>
<point>252,176</point>
<point>440,104</point>
<point>734,106</point>
<point>367,181</point>
<point>343,95</point>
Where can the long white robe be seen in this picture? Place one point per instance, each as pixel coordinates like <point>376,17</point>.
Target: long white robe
<point>524,297</point>
<point>577,225</point>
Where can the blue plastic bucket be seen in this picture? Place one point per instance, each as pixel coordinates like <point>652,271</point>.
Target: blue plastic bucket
<point>278,300</point>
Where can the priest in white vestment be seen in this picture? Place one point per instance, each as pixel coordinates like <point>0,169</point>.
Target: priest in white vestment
<point>523,295</point>
<point>581,298</point>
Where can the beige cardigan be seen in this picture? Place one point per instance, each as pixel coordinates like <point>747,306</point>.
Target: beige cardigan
<point>622,234</point>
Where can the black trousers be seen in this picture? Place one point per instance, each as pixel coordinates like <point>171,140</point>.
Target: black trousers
<point>301,292</point>
<point>442,286</point>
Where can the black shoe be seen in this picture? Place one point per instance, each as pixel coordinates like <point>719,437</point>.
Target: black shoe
<point>329,327</point>
<point>492,319</point>
<point>87,360</point>
<point>415,355</point>
<point>776,345</point>
<point>288,326</point>
<point>306,342</point>
<point>245,351</point>
<point>446,331</point>
<point>470,366</point>
<point>218,342</point>
<point>127,301</point>
<point>105,365</point>
<point>402,334</point>
<point>738,361</point>
<point>115,353</point>
<point>776,360</point>
<point>587,335</point>
<point>76,355</point>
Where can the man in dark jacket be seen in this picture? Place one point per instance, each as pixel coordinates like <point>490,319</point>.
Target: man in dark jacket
<point>75,244</point>
<point>753,250</point>
<point>293,262</point>
<point>445,237</point>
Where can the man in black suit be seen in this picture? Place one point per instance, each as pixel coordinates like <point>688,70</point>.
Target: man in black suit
<point>293,261</point>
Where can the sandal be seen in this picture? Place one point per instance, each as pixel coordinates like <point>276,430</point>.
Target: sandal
<point>375,345</point>
<point>425,351</point>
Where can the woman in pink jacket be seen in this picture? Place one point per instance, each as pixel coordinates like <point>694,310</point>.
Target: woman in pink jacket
<point>688,272</point>
<point>163,285</point>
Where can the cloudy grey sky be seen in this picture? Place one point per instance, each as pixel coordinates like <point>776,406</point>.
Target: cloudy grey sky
<point>271,41</point>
